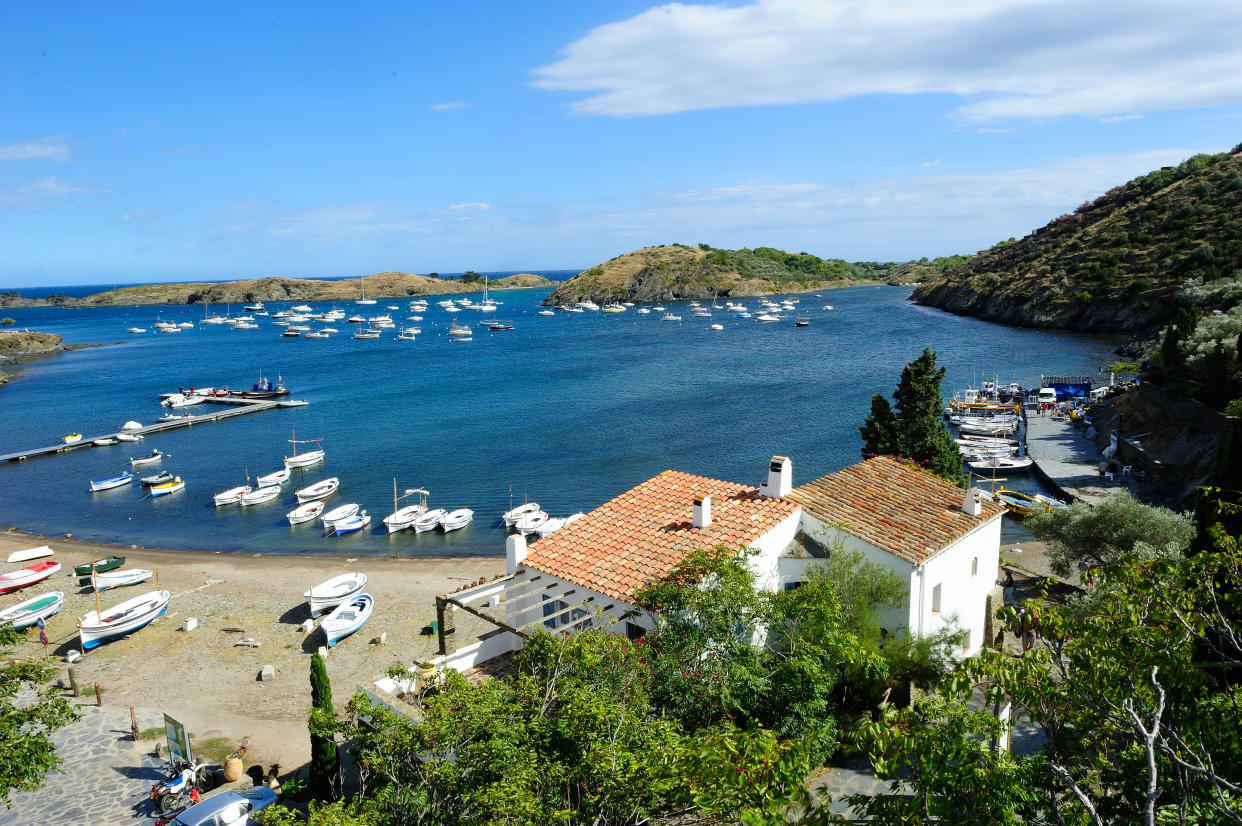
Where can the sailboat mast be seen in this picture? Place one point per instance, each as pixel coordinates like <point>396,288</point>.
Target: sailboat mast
<point>394,494</point>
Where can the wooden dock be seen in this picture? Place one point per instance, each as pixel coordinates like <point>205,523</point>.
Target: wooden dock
<point>1065,460</point>
<point>236,407</point>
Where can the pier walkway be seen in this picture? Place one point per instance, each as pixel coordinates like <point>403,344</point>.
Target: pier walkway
<point>1065,460</point>
<point>238,407</point>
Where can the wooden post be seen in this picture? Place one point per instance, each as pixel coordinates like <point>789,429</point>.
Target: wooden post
<point>73,682</point>
<point>444,624</point>
<point>133,723</point>
<point>98,697</point>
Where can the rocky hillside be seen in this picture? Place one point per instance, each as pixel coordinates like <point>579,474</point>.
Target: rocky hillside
<point>1114,264</point>
<point>22,345</point>
<point>675,271</point>
<point>381,285</point>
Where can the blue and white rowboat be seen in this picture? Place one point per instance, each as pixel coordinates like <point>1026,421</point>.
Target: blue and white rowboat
<point>347,618</point>
<point>115,482</point>
<point>122,619</point>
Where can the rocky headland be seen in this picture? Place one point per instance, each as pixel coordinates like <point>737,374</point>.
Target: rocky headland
<point>23,345</point>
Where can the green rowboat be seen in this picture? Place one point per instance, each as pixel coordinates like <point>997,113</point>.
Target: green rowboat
<point>101,565</point>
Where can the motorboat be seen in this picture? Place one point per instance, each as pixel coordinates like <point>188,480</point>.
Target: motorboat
<point>173,417</point>
<point>512,515</point>
<point>554,524</point>
<point>27,613</point>
<point>494,325</point>
<point>305,513</point>
<point>25,577</point>
<point>71,438</point>
<point>551,312</point>
<point>136,329</point>
<point>256,307</point>
<point>670,317</point>
<point>158,479</point>
<point>259,495</point>
<point>183,400</point>
<point>293,403</point>
<point>457,519</point>
<point>115,482</point>
<point>108,563</point>
<point>319,490</point>
<point>354,523</point>
<point>716,328</point>
<point>291,334</point>
<point>347,618</point>
<point>742,314</point>
<point>168,487</point>
<point>153,456</point>
<point>119,620</point>
<point>658,308</point>
<point>767,318</point>
<point>128,437</point>
<point>296,308</point>
<point>612,308</point>
<point>30,553</point>
<point>402,518</point>
<point>460,332</point>
<point>366,334</point>
<point>306,459</point>
<point>120,579</point>
<point>186,325</point>
<point>1000,464</point>
<point>334,591</point>
<point>531,522</point>
<point>278,478</point>
<point>231,496</point>
<point>317,334</point>
<point>406,335</point>
<point>339,514</point>
<point>429,520</point>
<point>802,321</point>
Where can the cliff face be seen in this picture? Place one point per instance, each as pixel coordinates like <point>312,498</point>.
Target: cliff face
<point>1115,264</point>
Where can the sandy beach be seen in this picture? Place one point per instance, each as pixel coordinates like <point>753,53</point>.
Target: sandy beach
<point>203,676</point>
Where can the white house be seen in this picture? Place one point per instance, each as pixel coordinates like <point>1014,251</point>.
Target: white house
<point>943,544</point>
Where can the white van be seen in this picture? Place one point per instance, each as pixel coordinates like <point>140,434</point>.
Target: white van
<point>1047,395</point>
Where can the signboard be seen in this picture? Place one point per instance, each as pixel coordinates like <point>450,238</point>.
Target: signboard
<point>178,740</point>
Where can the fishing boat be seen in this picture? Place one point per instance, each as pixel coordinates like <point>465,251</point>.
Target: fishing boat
<point>455,520</point>
<point>407,335</point>
<point>25,577</point>
<point>802,321</point>
<point>100,626</point>
<point>259,495</point>
<point>119,579</point>
<point>108,563</point>
<point>402,518</point>
<point>71,438</point>
<point>460,332</point>
<point>531,522</point>
<point>334,591</point>
<point>347,618</point>
<point>106,441</point>
<point>317,334</point>
<point>168,487</point>
<point>27,613</point>
<point>278,478</point>
<point>1022,504</point>
<point>494,325</point>
<point>306,459</point>
<point>231,496</point>
<point>366,334</point>
<point>153,456</point>
<point>339,514</point>
<point>429,520</point>
<point>1000,464</point>
<point>670,317</point>
<point>305,513</point>
<point>512,515</point>
<point>353,523</point>
<point>319,490</point>
<point>158,479</point>
<point>115,482</point>
<point>31,553</point>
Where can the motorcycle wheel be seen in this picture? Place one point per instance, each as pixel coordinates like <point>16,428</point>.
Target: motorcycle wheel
<point>203,778</point>
<point>170,802</point>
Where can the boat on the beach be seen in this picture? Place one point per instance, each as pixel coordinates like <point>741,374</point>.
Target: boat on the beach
<point>340,513</point>
<point>429,520</point>
<point>153,456</point>
<point>231,496</point>
<point>27,613</point>
<point>108,563</point>
<point>31,553</point>
<point>115,482</point>
<point>25,577</point>
<point>259,495</point>
<point>168,487</point>
<point>305,513</point>
<point>115,622</point>
<point>402,518</point>
<point>319,490</point>
<point>347,618</point>
<point>158,479</point>
<point>334,591</point>
<point>457,519</point>
<point>351,523</point>
<point>278,478</point>
<point>119,579</point>
<point>306,459</point>
<point>1000,464</point>
<point>512,515</point>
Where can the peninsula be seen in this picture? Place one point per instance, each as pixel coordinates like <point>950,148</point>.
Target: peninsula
<point>23,345</point>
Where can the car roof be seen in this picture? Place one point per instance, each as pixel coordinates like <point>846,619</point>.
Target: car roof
<point>201,813</point>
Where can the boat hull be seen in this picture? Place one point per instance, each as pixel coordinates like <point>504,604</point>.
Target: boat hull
<point>347,618</point>
<point>31,553</point>
<point>334,591</point>
<point>25,614</point>
<point>25,577</point>
<point>122,619</point>
<point>320,490</point>
<point>120,579</point>
<point>304,459</point>
<point>106,564</point>
<point>305,513</point>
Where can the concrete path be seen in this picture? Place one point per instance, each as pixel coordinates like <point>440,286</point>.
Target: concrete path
<point>105,777</point>
<point>1065,460</point>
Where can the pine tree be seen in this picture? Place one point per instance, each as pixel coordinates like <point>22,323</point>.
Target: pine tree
<point>879,432</point>
<point>921,434</point>
<point>324,760</point>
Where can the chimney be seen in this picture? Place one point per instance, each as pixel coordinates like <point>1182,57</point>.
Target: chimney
<point>780,478</point>
<point>702,511</point>
<point>515,552</point>
<point>970,503</point>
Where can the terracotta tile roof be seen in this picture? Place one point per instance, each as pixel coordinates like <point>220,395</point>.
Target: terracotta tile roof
<point>897,507</point>
<point>641,535</point>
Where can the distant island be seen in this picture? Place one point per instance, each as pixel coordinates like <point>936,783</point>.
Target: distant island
<point>379,286</point>
<point>676,271</point>
<point>1117,264</point>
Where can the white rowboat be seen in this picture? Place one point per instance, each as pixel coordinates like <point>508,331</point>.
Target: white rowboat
<point>429,521</point>
<point>31,553</point>
<point>319,490</point>
<point>512,516</point>
<point>305,513</point>
<point>122,619</point>
<point>25,614</point>
<point>455,520</point>
<point>230,496</point>
<point>334,591</point>
<point>278,478</point>
<point>347,618</point>
<point>340,514</point>
<point>25,577</point>
<point>258,495</point>
<point>119,579</point>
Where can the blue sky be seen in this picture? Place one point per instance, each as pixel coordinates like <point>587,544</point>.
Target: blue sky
<point>172,141</point>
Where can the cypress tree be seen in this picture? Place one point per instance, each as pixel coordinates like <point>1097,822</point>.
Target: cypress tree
<point>916,431</point>
<point>324,760</point>
<point>879,431</point>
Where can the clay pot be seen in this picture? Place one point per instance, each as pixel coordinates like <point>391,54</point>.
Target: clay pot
<point>232,768</point>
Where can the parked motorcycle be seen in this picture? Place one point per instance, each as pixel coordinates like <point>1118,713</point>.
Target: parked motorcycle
<point>184,782</point>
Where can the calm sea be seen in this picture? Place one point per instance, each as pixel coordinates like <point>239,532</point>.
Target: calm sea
<point>567,411</point>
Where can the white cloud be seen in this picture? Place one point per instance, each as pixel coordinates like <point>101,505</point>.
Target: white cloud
<point>1119,118</point>
<point>929,164</point>
<point>1007,58</point>
<point>42,149</point>
<point>475,206</point>
<point>40,194</point>
<point>449,107</point>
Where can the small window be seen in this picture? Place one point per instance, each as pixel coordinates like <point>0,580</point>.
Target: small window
<point>974,566</point>
<point>936,599</point>
<point>793,586</point>
<point>633,631</point>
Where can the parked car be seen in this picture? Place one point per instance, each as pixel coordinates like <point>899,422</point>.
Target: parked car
<point>232,808</point>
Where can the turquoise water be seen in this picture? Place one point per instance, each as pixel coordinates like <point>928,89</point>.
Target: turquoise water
<point>568,411</point>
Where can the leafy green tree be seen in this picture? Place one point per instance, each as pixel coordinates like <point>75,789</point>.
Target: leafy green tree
<point>879,431</point>
<point>7,322</point>
<point>921,434</point>
<point>1118,526</point>
<point>26,726</point>
<point>325,764</point>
